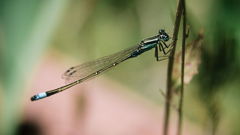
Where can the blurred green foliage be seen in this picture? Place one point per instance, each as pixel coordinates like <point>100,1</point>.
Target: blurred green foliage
<point>25,28</point>
<point>220,63</point>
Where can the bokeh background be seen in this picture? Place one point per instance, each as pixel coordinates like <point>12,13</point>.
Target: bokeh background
<point>40,39</point>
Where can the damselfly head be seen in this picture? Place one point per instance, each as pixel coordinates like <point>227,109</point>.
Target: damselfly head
<point>163,35</point>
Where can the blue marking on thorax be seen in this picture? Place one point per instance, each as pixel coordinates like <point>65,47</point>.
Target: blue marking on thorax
<point>148,47</point>
<point>143,49</point>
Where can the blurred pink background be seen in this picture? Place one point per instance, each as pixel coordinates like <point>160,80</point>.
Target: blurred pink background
<point>96,107</point>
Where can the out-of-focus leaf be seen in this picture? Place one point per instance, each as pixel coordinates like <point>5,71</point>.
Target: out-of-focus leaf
<point>192,61</point>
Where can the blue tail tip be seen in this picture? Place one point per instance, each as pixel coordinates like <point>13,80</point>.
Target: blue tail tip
<point>39,96</point>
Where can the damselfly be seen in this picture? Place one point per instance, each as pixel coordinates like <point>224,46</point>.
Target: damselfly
<point>91,69</point>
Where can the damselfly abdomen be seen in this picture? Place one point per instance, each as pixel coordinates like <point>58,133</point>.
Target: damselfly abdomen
<point>91,69</point>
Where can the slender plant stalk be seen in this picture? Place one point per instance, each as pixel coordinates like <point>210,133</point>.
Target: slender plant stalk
<point>180,109</point>
<point>170,68</point>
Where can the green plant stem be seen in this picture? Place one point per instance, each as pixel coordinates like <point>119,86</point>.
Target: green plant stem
<point>170,69</point>
<point>181,98</point>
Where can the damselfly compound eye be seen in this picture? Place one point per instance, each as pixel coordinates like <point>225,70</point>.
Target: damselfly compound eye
<point>163,35</point>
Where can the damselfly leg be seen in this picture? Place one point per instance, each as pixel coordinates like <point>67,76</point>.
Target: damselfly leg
<point>162,48</point>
